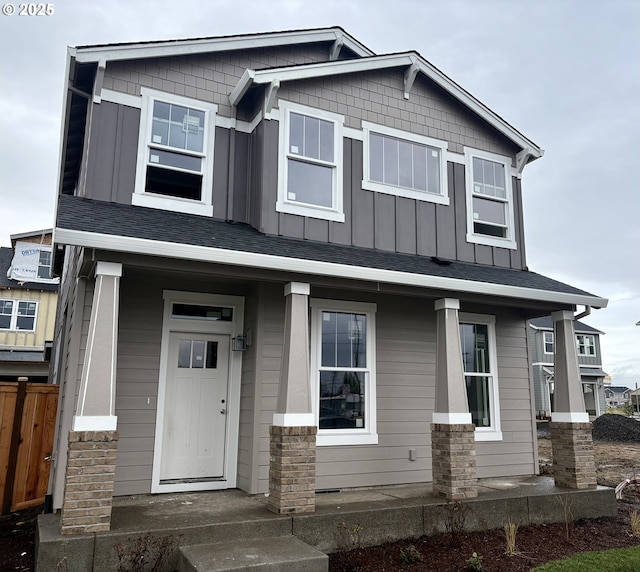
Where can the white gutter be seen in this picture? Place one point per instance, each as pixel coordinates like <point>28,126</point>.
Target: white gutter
<point>272,262</point>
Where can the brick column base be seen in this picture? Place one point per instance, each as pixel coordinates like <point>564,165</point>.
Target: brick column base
<point>88,491</point>
<point>292,470</point>
<point>573,460</point>
<point>453,454</point>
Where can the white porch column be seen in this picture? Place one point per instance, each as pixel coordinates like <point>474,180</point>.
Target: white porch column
<point>95,409</point>
<point>293,407</point>
<point>453,446</point>
<point>452,405</point>
<point>569,399</point>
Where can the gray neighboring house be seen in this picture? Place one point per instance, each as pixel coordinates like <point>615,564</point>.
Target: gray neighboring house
<point>290,265</point>
<point>541,339</point>
<point>618,396</point>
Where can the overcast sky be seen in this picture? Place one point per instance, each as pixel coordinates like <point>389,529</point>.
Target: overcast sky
<point>565,73</point>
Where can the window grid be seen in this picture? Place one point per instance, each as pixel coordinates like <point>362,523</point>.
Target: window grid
<point>548,342</point>
<point>18,315</point>
<point>586,345</point>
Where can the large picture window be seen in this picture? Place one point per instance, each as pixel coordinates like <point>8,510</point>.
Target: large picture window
<point>175,153</point>
<point>404,164</point>
<point>343,358</point>
<point>477,338</point>
<point>490,216</point>
<point>18,315</point>
<point>310,163</point>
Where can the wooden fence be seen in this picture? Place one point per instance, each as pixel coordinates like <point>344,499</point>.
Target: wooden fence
<point>27,425</point>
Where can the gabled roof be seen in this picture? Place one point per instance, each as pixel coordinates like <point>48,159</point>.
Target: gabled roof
<point>413,63</point>
<point>168,48</point>
<point>617,388</point>
<point>546,323</point>
<point>139,230</point>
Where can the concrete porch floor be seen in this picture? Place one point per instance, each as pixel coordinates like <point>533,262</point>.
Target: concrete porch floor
<point>364,516</point>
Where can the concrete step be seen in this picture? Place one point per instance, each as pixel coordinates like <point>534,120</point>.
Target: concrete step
<point>279,554</point>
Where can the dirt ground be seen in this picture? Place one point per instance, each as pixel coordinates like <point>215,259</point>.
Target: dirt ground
<point>442,553</point>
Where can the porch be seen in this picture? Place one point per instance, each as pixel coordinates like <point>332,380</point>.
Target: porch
<point>359,516</point>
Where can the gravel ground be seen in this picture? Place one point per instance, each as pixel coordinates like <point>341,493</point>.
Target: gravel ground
<point>616,428</point>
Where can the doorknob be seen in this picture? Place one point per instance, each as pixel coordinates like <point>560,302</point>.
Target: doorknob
<point>223,411</point>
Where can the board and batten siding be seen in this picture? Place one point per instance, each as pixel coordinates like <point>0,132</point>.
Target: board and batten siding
<point>44,323</point>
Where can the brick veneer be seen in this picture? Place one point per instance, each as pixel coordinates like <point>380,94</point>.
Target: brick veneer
<point>292,469</point>
<point>453,454</point>
<point>88,492</point>
<point>573,460</point>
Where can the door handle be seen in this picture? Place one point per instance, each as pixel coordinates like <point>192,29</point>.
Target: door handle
<point>49,457</point>
<point>223,411</point>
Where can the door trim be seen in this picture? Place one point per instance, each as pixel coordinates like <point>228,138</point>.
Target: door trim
<point>233,328</point>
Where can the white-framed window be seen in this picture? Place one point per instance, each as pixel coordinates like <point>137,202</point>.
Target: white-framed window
<point>586,345</point>
<point>18,315</point>
<point>479,358</point>
<point>548,342</point>
<point>343,371</point>
<point>310,162</point>
<point>490,214</point>
<point>404,164</point>
<point>44,264</point>
<point>175,153</point>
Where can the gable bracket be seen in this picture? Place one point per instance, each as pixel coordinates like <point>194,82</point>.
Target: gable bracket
<point>409,77</point>
<point>98,80</point>
<point>522,158</point>
<point>270,96</point>
<point>335,49</point>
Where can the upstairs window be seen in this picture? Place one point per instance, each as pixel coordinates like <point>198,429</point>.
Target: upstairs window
<point>310,163</point>
<point>404,164</point>
<point>586,345</point>
<point>548,342</point>
<point>175,153</point>
<point>44,264</point>
<point>18,315</point>
<point>490,215</point>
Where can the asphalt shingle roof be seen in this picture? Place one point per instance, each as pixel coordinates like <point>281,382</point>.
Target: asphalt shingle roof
<point>91,216</point>
<point>546,323</point>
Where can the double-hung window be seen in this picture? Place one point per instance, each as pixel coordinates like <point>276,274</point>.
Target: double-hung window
<point>404,164</point>
<point>343,372</point>
<point>490,214</point>
<point>586,345</point>
<point>44,264</point>
<point>18,315</point>
<point>175,153</point>
<point>478,341</point>
<point>548,342</point>
<point>310,163</point>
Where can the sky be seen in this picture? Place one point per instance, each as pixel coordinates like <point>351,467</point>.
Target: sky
<point>566,73</point>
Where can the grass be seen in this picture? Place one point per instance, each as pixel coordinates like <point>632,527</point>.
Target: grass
<point>618,560</point>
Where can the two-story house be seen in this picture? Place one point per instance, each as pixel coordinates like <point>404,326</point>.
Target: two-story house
<point>28,297</point>
<point>541,338</point>
<point>291,265</point>
<point>618,396</point>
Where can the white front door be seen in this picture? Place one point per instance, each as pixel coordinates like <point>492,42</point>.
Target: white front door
<point>195,410</point>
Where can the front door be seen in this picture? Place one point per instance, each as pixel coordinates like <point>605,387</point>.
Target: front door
<point>195,411</point>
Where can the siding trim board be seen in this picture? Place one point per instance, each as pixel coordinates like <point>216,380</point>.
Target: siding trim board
<point>273,262</point>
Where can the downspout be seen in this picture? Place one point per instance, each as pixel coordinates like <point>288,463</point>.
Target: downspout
<point>587,312</point>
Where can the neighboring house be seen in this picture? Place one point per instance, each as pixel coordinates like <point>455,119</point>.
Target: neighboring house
<point>617,395</point>
<point>28,297</point>
<point>285,257</point>
<point>541,339</point>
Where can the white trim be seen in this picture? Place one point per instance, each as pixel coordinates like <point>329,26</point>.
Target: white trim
<point>120,98</point>
<point>140,197</point>
<point>570,417</point>
<point>447,304</point>
<point>478,238</point>
<point>109,269</point>
<point>284,204</point>
<point>272,262</point>
<point>115,52</point>
<point>352,133</point>
<point>453,157</point>
<point>294,419</point>
<point>303,288</point>
<point>233,328</point>
<point>330,437</point>
<point>441,198</point>
<point>13,319</point>
<point>451,418</point>
<point>249,127</point>
<point>94,423</point>
<point>544,342</point>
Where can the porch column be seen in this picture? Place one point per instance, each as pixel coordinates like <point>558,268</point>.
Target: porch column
<point>453,446</point>
<point>571,440</point>
<point>91,457</point>
<point>292,465</point>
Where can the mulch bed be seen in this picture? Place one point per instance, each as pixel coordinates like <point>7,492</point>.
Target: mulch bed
<point>536,545</point>
<point>17,540</point>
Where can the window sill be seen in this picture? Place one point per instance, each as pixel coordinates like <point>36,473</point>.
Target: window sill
<point>343,438</point>
<point>406,193</point>
<point>491,241</point>
<point>488,436</point>
<point>171,204</point>
<point>309,211</point>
